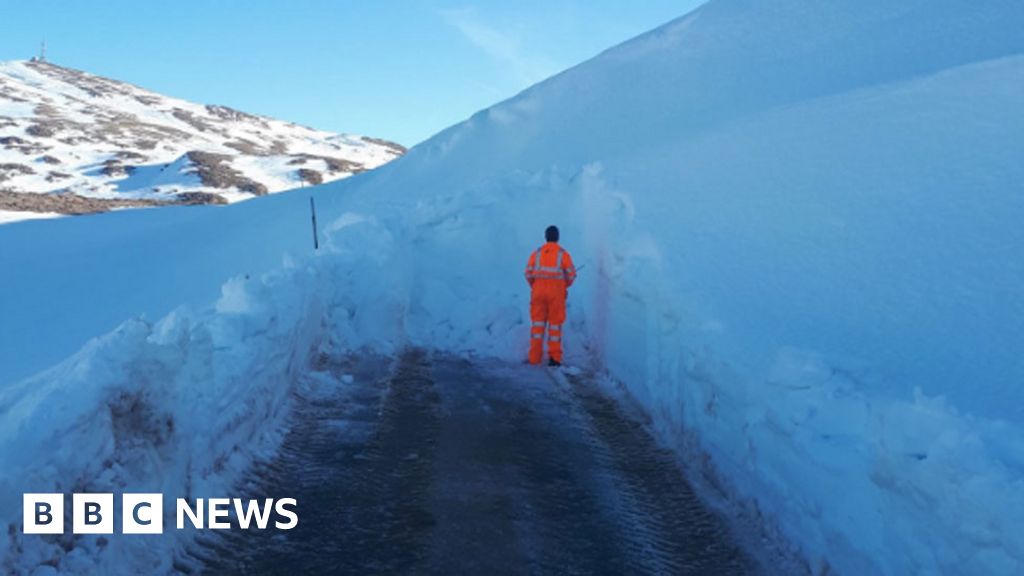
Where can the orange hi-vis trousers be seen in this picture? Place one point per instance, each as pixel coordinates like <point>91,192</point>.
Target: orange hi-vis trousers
<point>550,272</point>
<point>547,309</point>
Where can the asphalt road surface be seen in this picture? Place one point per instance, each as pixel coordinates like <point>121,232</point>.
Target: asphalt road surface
<point>430,464</point>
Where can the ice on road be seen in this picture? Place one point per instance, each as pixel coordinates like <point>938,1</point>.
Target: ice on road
<point>434,464</point>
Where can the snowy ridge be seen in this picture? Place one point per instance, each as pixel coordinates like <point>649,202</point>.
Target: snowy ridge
<point>62,130</point>
<point>801,231</point>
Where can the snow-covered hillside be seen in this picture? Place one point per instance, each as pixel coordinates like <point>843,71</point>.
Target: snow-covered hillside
<point>104,144</point>
<point>798,231</point>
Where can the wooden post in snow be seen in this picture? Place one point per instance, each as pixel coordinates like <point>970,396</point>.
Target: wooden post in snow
<point>316,238</point>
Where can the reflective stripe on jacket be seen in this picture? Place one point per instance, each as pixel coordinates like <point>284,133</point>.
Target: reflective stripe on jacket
<point>550,262</point>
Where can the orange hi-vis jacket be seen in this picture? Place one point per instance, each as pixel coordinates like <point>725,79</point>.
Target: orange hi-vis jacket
<point>550,272</point>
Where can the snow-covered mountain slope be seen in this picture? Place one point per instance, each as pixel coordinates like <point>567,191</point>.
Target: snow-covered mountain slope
<point>100,141</point>
<point>798,226</point>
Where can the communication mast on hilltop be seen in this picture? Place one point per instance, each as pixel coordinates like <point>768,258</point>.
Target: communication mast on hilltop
<point>42,51</point>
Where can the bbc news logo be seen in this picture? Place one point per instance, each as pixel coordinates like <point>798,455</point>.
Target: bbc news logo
<point>144,513</point>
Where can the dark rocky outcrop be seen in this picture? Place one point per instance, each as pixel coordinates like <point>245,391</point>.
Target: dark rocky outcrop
<point>74,204</point>
<point>225,113</point>
<point>247,147</point>
<point>9,170</point>
<point>214,171</point>
<point>334,165</point>
<point>398,148</point>
<point>64,203</point>
<point>310,176</point>
<point>115,167</point>
<point>198,198</point>
<point>41,130</point>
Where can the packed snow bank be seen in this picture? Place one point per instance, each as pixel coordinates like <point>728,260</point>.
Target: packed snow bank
<point>68,280</point>
<point>798,232</point>
<point>180,407</point>
<point>184,405</point>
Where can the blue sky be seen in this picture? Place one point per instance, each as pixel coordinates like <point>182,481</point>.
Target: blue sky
<point>402,70</point>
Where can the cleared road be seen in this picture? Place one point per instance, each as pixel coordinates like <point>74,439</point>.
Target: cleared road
<point>436,465</point>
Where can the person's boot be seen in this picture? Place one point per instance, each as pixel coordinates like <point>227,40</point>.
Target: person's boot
<point>553,362</point>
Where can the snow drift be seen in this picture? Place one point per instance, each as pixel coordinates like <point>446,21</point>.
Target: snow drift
<point>799,233</point>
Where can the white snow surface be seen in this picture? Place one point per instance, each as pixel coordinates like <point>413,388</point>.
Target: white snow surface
<point>17,216</point>
<point>799,232</point>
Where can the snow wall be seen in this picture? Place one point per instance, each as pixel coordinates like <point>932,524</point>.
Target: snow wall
<point>799,231</point>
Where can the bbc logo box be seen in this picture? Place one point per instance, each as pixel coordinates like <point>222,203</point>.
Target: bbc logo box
<point>93,513</point>
<point>43,513</point>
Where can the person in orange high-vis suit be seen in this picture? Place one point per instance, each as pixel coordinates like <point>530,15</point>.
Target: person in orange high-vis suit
<point>550,272</point>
